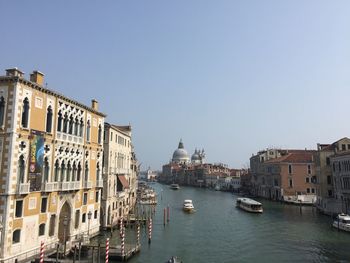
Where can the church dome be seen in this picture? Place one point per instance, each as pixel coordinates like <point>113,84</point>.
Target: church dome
<point>180,155</point>
<point>195,156</point>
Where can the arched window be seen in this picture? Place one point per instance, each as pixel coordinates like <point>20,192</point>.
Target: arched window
<point>46,169</point>
<point>74,173</point>
<point>59,122</point>
<point>99,134</point>
<point>2,111</point>
<point>57,171</point>
<point>71,125</point>
<point>25,113</point>
<point>76,126</point>
<point>79,172</point>
<point>16,236</point>
<point>63,171</point>
<point>21,169</point>
<point>41,229</point>
<point>86,177</point>
<point>65,123</point>
<point>81,129</point>
<point>88,130</point>
<point>49,119</point>
<point>98,171</point>
<point>69,170</point>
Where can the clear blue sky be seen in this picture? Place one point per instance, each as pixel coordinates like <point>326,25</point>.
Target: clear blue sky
<point>232,77</point>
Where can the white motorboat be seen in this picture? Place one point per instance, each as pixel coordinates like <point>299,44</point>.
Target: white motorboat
<point>342,222</point>
<point>188,206</point>
<point>174,186</point>
<point>249,205</point>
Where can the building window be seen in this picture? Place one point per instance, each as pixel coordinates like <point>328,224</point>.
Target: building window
<point>2,111</point>
<point>77,218</point>
<point>59,121</point>
<point>65,123</point>
<point>307,179</point>
<point>74,172</point>
<point>63,171</point>
<point>71,125</point>
<point>329,179</point>
<point>96,196</point>
<point>111,136</point>
<point>290,183</point>
<point>348,146</point>
<point>57,171</point>
<point>16,236</point>
<point>308,190</point>
<point>41,229</point>
<point>49,119</point>
<point>43,205</point>
<point>343,147</point>
<point>308,169</point>
<point>46,169</point>
<point>81,127</point>
<point>313,190</point>
<point>289,168</point>
<point>330,193</point>
<point>19,208</point>
<point>88,127</point>
<point>86,172</point>
<point>83,218</point>
<point>79,172</point>
<point>328,161</point>
<point>85,198</point>
<point>52,225</point>
<point>76,126</point>
<point>25,113</point>
<point>95,214</point>
<point>69,170</point>
<point>21,169</point>
<point>98,172</point>
<point>99,134</point>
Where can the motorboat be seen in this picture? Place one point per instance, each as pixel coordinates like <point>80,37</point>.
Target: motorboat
<point>342,222</point>
<point>249,205</point>
<point>174,186</point>
<point>188,206</point>
<point>174,260</point>
<point>217,187</point>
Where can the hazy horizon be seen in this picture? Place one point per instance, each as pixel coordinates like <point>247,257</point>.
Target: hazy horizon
<point>232,77</point>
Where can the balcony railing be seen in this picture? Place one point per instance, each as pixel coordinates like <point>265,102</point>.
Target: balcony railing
<point>99,183</point>
<point>23,188</point>
<point>70,186</point>
<point>50,186</point>
<point>121,194</point>
<point>69,137</point>
<point>121,171</point>
<point>87,184</point>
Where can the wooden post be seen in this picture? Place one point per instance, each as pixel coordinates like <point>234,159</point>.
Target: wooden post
<point>168,213</point>
<point>164,217</point>
<point>42,252</point>
<point>99,253</point>
<point>75,253</point>
<point>107,250</point>
<point>58,247</point>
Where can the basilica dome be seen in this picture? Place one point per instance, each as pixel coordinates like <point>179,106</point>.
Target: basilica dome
<point>180,155</point>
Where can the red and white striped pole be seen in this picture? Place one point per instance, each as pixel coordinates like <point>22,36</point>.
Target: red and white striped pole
<point>42,252</point>
<point>149,230</point>
<point>122,238</point>
<point>138,234</point>
<point>107,250</point>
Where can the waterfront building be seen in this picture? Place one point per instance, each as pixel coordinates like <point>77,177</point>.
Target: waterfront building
<point>51,163</point>
<point>148,175</point>
<point>291,176</point>
<point>340,163</point>
<point>326,197</point>
<point>119,174</point>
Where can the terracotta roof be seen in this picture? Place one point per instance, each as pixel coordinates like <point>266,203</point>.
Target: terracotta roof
<point>294,157</point>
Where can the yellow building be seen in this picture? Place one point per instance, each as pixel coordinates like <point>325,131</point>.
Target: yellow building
<point>51,167</point>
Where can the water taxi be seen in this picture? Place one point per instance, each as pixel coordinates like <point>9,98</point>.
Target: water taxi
<point>174,186</point>
<point>188,206</point>
<point>249,205</point>
<point>342,222</point>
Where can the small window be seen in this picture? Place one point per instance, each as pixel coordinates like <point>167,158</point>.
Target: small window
<point>308,190</point>
<point>329,179</point>
<point>328,161</point>
<point>95,214</point>
<point>307,179</point>
<point>97,196</point>
<point>19,208</point>
<point>83,218</point>
<point>52,225</point>
<point>313,190</point>
<point>330,193</point>
<point>41,229</point>
<point>77,218</point>
<point>85,198</point>
<point>343,147</point>
<point>289,168</point>
<point>16,236</point>
<point>43,205</point>
<point>290,183</point>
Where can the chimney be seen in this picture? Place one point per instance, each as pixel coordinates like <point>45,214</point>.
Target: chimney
<point>37,77</point>
<point>94,104</point>
<point>14,72</point>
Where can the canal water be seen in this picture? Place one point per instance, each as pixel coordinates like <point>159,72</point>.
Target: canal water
<point>220,232</point>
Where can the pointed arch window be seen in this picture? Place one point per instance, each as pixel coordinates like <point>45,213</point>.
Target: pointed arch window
<point>98,172</point>
<point>76,126</point>
<point>74,172</point>
<point>59,123</point>
<point>88,127</point>
<point>25,113</point>
<point>79,172</point>
<point>69,170</point>
<point>86,176</point>
<point>57,170</point>
<point>2,111</point>
<point>21,169</point>
<point>63,171</point>
<point>65,123</point>
<point>99,134</point>
<point>49,119</point>
<point>81,127</point>
<point>46,169</point>
<point>71,125</point>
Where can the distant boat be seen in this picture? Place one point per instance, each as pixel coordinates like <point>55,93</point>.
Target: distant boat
<point>174,186</point>
<point>342,222</point>
<point>188,206</point>
<point>249,205</point>
<point>174,260</point>
<point>217,187</point>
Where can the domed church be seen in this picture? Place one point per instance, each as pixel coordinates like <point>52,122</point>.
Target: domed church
<point>198,157</point>
<point>180,155</point>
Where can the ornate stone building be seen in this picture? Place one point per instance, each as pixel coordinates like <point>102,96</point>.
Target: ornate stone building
<point>50,166</point>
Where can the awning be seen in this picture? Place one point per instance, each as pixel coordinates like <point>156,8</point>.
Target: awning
<point>123,180</point>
